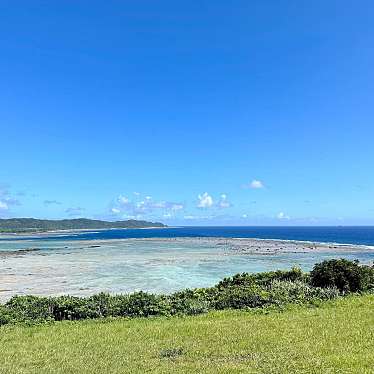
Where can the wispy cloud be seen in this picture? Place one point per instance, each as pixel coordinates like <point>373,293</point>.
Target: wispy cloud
<point>3,205</point>
<point>6,201</point>
<point>283,216</point>
<point>256,184</point>
<point>192,217</point>
<point>224,203</point>
<point>74,211</point>
<point>51,202</point>
<point>139,207</point>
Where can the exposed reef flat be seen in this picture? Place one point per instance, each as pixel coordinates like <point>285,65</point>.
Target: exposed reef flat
<point>18,253</point>
<point>228,245</point>
<point>254,246</point>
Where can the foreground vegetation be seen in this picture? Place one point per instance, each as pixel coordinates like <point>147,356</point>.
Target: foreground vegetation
<point>328,280</point>
<point>335,337</point>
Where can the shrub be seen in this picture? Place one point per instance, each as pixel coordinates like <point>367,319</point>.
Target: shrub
<point>72,308</point>
<point>284,292</point>
<point>240,297</point>
<point>5,315</point>
<point>30,308</point>
<point>188,306</point>
<point>191,302</point>
<point>104,305</point>
<point>264,278</point>
<point>143,304</point>
<point>347,276</point>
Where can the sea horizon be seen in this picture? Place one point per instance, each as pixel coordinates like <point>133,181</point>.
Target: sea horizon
<point>351,235</point>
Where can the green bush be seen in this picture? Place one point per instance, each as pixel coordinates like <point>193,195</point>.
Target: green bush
<point>30,309</point>
<point>284,292</point>
<point>72,308</point>
<point>240,297</point>
<point>347,276</point>
<point>264,278</point>
<point>5,315</point>
<point>188,302</point>
<point>142,304</point>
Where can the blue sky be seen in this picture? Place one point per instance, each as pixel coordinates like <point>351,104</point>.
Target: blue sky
<point>188,112</point>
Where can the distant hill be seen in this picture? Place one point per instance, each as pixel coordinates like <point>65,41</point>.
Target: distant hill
<point>32,224</point>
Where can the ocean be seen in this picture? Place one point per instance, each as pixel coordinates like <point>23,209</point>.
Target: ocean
<point>358,235</point>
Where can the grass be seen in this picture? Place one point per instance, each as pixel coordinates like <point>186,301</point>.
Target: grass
<point>337,337</point>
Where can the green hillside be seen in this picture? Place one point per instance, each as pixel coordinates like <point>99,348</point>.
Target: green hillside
<point>32,224</point>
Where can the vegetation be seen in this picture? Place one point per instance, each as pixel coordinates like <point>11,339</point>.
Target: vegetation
<point>274,289</point>
<point>335,337</point>
<point>345,275</point>
<point>32,224</point>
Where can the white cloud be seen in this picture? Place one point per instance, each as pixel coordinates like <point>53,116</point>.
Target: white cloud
<point>6,201</point>
<point>192,217</point>
<point>129,216</point>
<point>158,205</point>
<point>176,207</point>
<point>146,206</point>
<point>123,199</point>
<point>141,204</point>
<point>244,215</point>
<point>224,203</point>
<point>256,184</point>
<point>282,215</point>
<point>205,200</point>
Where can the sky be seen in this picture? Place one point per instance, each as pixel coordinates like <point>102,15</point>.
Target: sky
<point>188,112</point>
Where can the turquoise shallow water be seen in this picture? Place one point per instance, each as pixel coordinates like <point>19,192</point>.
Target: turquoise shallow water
<point>81,267</point>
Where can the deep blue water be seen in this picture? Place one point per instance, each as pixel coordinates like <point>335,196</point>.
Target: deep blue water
<point>363,235</point>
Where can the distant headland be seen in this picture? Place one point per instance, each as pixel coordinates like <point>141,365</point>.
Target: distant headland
<point>33,225</point>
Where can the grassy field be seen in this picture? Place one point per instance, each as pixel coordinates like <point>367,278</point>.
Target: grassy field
<point>335,338</point>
